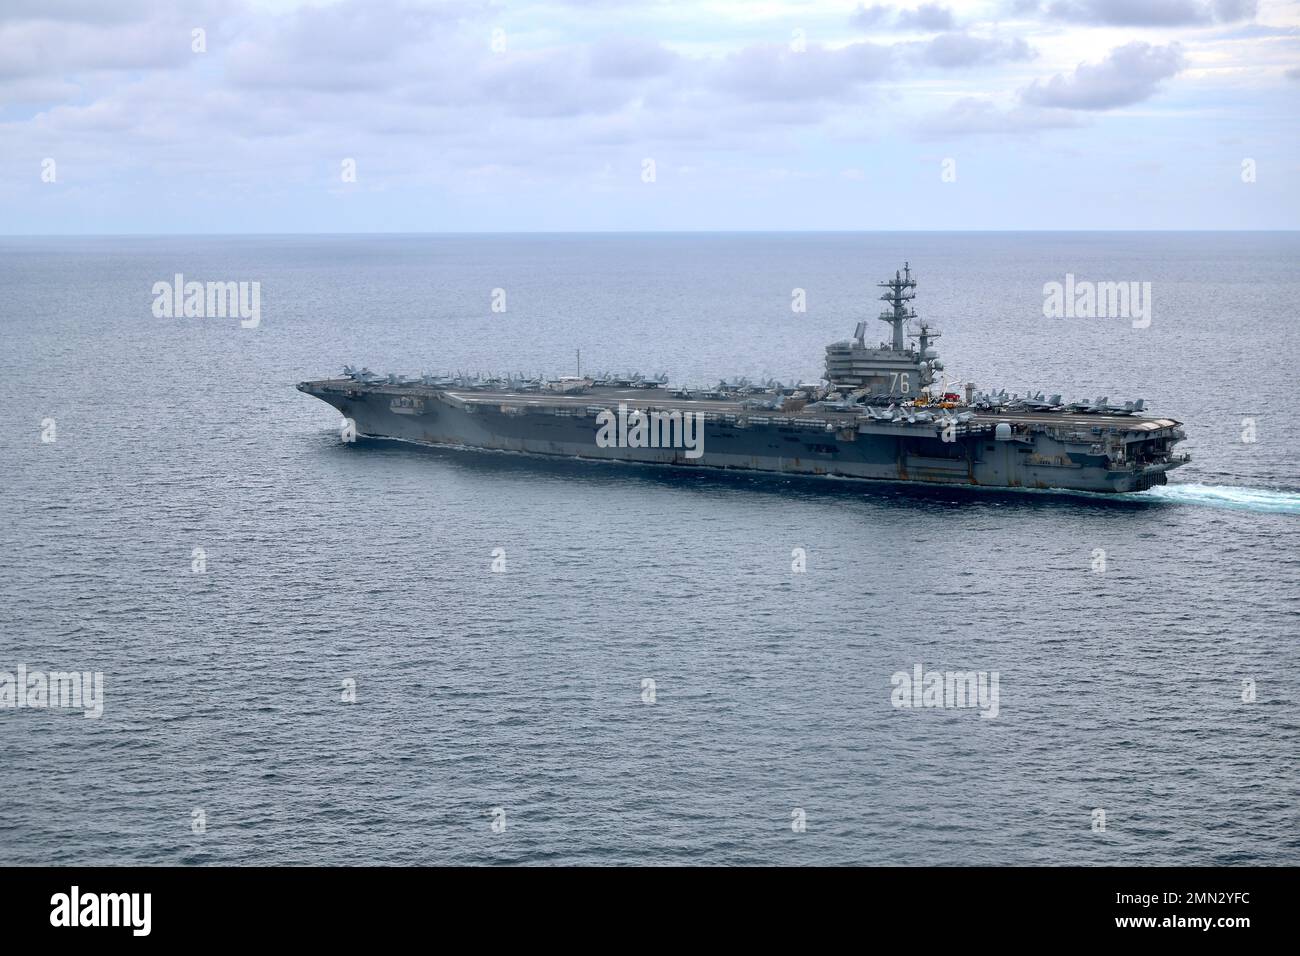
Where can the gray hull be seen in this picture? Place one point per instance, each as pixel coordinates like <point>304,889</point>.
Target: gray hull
<point>1033,450</point>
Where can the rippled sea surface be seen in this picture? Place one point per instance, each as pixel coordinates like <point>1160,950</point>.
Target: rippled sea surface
<point>523,690</point>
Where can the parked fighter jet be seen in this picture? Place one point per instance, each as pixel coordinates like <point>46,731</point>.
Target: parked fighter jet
<point>835,405</point>
<point>568,385</point>
<point>1128,408</point>
<point>630,380</point>
<point>524,384</point>
<point>1039,404</point>
<point>769,405</point>
<point>991,401</point>
<point>360,374</point>
<point>1086,407</point>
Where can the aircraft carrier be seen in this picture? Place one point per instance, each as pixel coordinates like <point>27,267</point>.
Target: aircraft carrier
<point>884,413</point>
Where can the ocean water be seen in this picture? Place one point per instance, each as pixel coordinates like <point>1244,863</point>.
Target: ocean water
<point>522,691</point>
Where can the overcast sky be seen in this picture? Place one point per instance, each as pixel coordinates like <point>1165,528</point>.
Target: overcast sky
<point>757,114</point>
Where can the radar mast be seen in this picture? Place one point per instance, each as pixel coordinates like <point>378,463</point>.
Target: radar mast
<point>899,294</point>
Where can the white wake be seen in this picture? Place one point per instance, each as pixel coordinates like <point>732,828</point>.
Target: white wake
<point>1223,496</point>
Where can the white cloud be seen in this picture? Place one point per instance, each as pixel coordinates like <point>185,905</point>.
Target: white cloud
<point>1129,74</point>
<point>415,92</point>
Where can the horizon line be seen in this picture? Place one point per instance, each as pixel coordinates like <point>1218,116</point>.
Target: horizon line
<point>620,232</point>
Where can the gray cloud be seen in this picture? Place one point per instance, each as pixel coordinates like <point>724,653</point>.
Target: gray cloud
<point>951,48</point>
<point>78,11</point>
<point>75,39</point>
<point>1129,74</point>
<point>1151,12</point>
<point>773,72</point>
<point>548,83</point>
<point>630,58</point>
<point>32,48</point>
<point>416,94</point>
<point>345,46</point>
<point>932,17</point>
<point>1229,11</point>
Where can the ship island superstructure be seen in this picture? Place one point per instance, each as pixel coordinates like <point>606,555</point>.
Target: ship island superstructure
<point>884,413</point>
